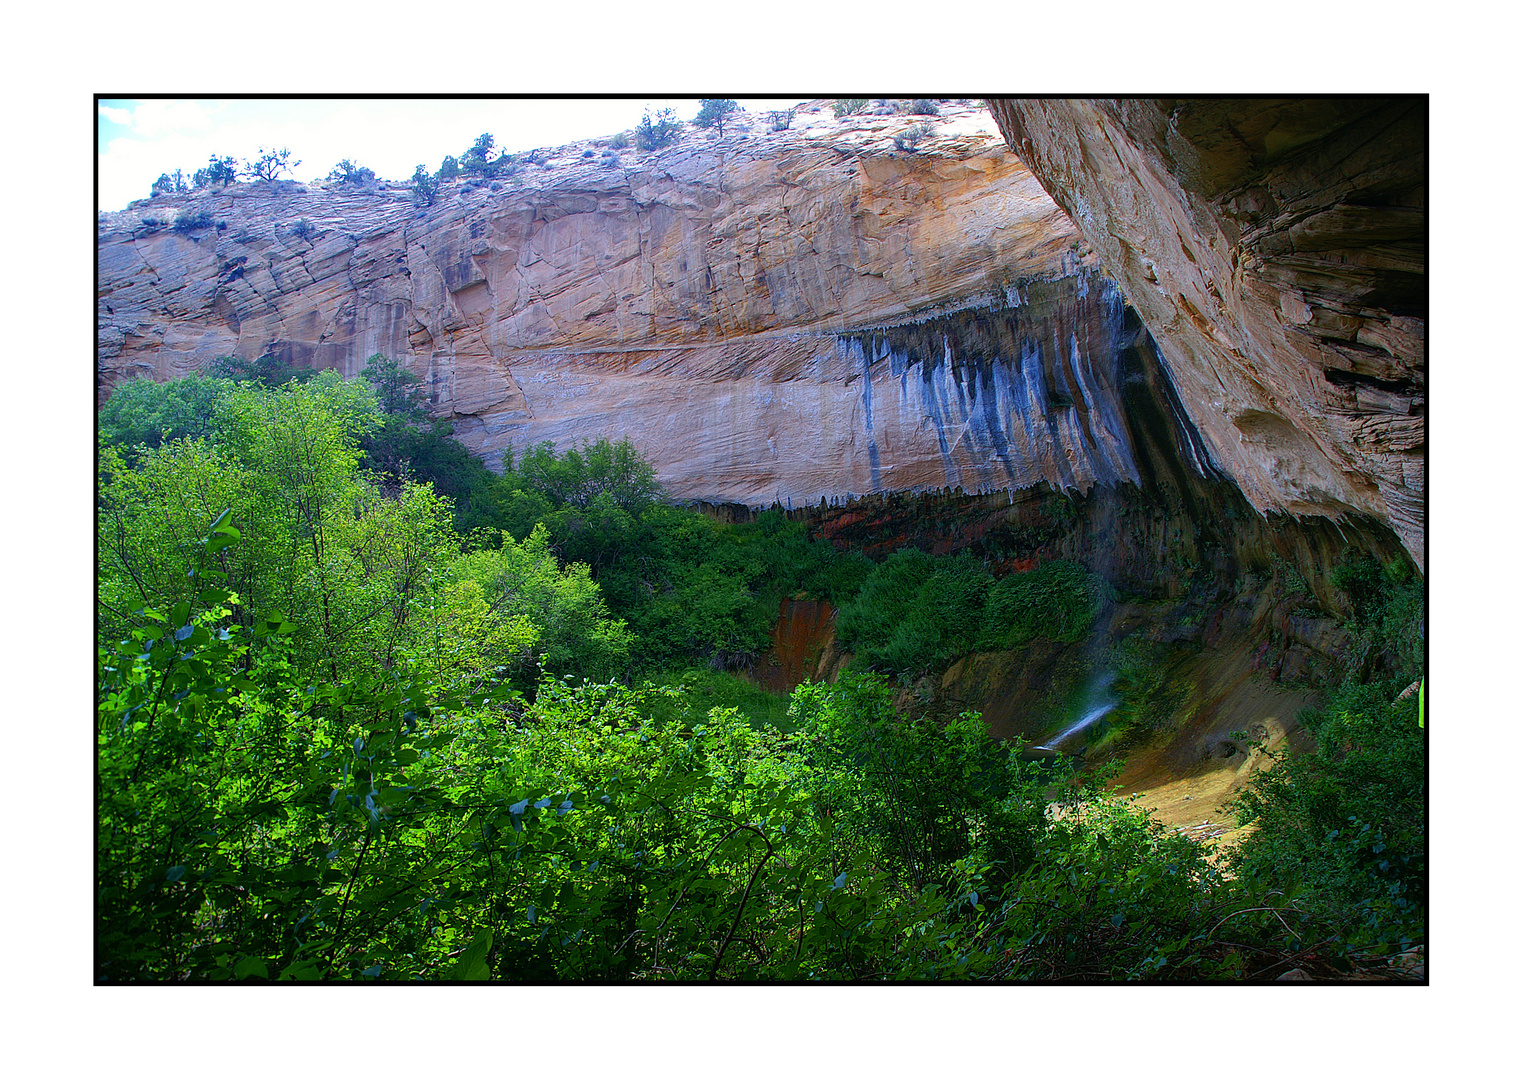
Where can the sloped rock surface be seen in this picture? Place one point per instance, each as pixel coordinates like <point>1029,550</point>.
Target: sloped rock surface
<point>1276,250</point>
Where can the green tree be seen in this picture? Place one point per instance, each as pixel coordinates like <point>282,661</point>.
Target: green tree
<point>170,183</point>
<point>480,152</point>
<point>270,164</point>
<point>576,634</point>
<point>478,159</point>
<point>585,472</point>
<point>663,130</point>
<point>347,172</point>
<point>424,187</point>
<point>268,370</point>
<point>923,792</point>
<point>398,391</point>
<point>714,112</point>
<point>143,412</point>
<point>218,170</point>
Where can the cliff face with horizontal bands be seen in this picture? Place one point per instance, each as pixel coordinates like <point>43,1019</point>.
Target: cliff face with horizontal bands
<point>1276,250</point>
<point>827,312</point>
<point>770,316</point>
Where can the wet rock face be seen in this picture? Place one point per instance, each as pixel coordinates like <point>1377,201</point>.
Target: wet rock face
<point>1275,249</point>
<point>984,400</point>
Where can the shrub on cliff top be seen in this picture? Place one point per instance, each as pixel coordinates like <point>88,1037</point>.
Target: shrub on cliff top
<point>662,131</point>
<point>910,137</point>
<point>270,164</point>
<point>849,106</point>
<point>347,172</point>
<point>424,187</point>
<point>714,113</point>
<point>218,170</point>
<point>167,183</point>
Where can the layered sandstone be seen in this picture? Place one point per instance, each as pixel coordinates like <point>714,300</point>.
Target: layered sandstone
<point>770,316</point>
<point>1276,251</point>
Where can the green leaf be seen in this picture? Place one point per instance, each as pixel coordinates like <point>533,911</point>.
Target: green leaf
<point>472,963</point>
<point>302,970</point>
<point>250,965</point>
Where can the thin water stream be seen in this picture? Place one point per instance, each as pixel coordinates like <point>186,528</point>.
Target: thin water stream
<point>1096,705</point>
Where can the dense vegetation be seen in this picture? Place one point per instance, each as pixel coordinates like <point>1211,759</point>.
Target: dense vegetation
<point>368,711</point>
<point>1350,820</point>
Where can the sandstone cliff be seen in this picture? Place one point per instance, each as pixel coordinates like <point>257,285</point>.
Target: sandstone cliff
<point>826,312</point>
<point>1276,251</point>
<point>770,316</point>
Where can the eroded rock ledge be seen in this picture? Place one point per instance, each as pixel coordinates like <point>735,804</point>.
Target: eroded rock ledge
<point>1276,250</point>
<point>771,316</point>
<point>820,313</point>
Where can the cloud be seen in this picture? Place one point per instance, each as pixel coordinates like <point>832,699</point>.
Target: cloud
<point>116,116</point>
<point>156,119</point>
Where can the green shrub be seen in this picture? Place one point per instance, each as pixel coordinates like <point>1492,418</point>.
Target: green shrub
<point>304,229</point>
<point>347,172</point>
<point>1148,699</point>
<point>218,170</point>
<point>714,112</point>
<point>424,187</point>
<point>782,120</point>
<point>585,472</point>
<point>849,106</point>
<point>1346,824</point>
<point>662,131</point>
<point>141,412</point>
<point>1058,600</point>
<point>576,634</point>
<point>919,792</point>
<point>267,370</point>
<point>398,391</point>
<point>619,141</point>
<point>270,164</point>
<point>911,136</point>
<point>190,220</point>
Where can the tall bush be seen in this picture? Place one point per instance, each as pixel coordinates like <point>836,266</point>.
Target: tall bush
<point>663,130</point>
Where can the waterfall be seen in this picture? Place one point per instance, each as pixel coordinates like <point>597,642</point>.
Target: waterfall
<point>1097,703</point>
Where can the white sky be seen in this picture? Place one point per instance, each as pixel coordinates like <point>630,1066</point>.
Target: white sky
<point>137,140</point>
